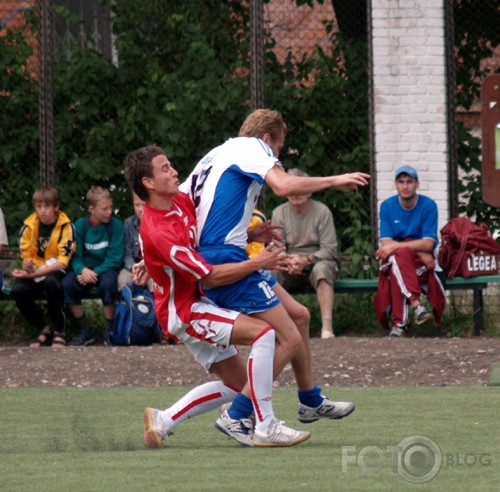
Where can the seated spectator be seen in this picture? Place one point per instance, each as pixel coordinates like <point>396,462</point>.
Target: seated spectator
<point>96,262</point>
<point>311,242</point>
<point>408,239</point>
<point>255,247</point>
<point>132,247</point>
<point>47,242</point>
<point>4,241</point>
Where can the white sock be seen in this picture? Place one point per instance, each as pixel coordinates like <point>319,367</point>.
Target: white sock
<point>201,399</point>
<point>260,378</point>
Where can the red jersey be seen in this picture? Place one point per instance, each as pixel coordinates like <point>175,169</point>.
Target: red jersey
<point>168,238</point>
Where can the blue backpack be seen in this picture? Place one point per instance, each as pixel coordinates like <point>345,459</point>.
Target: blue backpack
<point>135,320</point>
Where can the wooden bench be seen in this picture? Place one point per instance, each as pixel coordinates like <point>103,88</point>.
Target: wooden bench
<point>342,286</point>
<point>8,257</point>
<point>476,284</point>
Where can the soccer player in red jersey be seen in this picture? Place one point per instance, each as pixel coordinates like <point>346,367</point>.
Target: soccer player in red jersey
<point>167,231</point>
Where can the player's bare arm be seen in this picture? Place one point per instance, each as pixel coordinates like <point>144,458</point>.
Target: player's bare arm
<point>270,258</point>
<point>284,185</point>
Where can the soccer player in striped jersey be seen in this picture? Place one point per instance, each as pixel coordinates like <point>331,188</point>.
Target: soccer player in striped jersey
<point>224,187</point>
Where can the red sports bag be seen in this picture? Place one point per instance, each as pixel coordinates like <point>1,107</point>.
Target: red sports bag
<point>468,249</point>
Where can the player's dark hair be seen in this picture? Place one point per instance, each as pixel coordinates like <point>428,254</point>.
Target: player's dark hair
<point>138,165</point>
<point>263,121</point>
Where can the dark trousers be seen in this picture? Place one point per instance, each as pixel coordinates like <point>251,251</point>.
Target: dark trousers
<point>107,285</point>
<point>50,289</point>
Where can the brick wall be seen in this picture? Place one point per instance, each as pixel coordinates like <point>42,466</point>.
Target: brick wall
<point>409,80</point>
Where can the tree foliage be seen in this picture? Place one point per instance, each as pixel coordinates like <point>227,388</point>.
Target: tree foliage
<point>476,38</point>
<point>182,81</point>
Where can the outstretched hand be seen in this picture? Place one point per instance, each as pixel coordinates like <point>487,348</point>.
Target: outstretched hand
<point>351,181</point>
<point>265,233</point>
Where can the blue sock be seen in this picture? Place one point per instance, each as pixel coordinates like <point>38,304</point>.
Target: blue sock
<point>312,397</point>
<point>241,408</point>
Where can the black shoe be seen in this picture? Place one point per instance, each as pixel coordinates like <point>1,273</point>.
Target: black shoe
<point>83,339</point>
<point>108,339</point>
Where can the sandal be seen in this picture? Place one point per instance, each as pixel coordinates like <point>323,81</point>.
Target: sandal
<point>59,339</point>
<point>44,339</point>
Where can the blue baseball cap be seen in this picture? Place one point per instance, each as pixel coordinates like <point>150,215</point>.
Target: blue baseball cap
<point>411,171</point>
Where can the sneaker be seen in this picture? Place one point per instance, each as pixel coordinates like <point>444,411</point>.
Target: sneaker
<point>84,338</point>
<point>325,334</point>
<point>421,315</point>
<point>396,331</point>
<point>328,410</point>
<point>154,430</point>
<point>279,435</point>
<point>241,430</point>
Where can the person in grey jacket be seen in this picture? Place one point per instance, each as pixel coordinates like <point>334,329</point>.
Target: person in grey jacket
<point>132,248</point>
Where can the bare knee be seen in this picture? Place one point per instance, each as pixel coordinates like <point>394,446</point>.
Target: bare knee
<point>232,372</point>
<point>290,341</point>
<point>302,318</point>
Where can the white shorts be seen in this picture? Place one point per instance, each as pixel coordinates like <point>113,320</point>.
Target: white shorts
<point>208,335</point>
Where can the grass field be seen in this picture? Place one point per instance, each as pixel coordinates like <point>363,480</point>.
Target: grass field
<point>69,439</point>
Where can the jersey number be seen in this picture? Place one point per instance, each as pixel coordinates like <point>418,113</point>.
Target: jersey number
<point>266,289</point>
<point>197,185</point>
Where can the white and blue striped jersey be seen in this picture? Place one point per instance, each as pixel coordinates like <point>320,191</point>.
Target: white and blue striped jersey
<point>225,186</point>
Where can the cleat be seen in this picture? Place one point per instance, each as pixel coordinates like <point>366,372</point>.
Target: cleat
<point>421,315</point>
<point>241,430</point>
<point>154,431</point>
<point>227,406</point>
<point>328,409</point>
<point>279,435</point>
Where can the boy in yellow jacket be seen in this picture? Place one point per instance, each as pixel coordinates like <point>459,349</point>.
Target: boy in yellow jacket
<point>255,247</point>
<point>47,243</point>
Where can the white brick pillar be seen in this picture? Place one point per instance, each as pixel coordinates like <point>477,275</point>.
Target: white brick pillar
<point>409,90</point>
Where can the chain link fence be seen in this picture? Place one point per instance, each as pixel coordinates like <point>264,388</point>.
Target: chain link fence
<point>84,82</point>
<point>80,75</point>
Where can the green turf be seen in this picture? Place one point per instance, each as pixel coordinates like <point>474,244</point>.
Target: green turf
<point>91,439</point>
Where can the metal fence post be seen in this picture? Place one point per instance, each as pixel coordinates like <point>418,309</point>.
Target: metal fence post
<point>452,108</point>
<point>257,54</point>
<point>45,59</point>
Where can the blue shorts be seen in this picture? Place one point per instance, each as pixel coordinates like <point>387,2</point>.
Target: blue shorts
<point>251,294</point>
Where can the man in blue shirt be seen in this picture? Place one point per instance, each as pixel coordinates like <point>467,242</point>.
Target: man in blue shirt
<point>408,239</point>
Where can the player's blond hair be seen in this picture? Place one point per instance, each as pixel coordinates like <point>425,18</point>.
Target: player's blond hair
<point>262,121</point>
<point>96,194</point>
